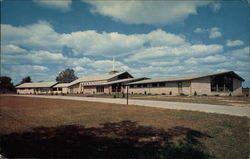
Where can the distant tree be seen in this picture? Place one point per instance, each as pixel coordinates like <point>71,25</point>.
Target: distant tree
<point>5,84</point>
<point>26,79</point>
<point>66,76</point>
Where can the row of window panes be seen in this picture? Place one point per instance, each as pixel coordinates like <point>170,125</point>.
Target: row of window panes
<point>99,89</point>
<point>161,84</point>
<point>57,89</point>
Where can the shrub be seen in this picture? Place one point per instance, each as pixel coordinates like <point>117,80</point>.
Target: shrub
<point>145,92</point>
<point>123,95</point>
<point>204,94</point>
<point>217,95</point>
<point>170,93</point>
<point>230,94</point>
<point>114,96</point>
<point>195,93</point>
<point>149,94</point>
<point>163,94</point>
<point>182,94</point>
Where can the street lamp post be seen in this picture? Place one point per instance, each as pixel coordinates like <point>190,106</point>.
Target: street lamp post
<point>127,94</point>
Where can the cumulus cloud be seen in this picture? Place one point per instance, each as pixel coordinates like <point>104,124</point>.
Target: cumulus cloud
<point>55,4</point>
<point>232,43</point>
<point>215,33</point>
<point>146,12</point>
<point>42,36</point>
<point>36,36</point>
<point>101,44</point>
<point>154,54</point>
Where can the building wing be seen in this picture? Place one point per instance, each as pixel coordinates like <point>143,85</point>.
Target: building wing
<point>103,77</point>
<point>37,85</point>
<point>189,77</point>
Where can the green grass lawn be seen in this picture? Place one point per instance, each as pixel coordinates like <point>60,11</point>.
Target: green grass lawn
<point>35,127</point>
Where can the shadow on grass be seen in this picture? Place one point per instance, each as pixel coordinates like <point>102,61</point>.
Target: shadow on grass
<point>119,140</point>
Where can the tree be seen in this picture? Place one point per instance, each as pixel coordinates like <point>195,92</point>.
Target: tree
<point>5,84</point>
<point>66,76</point>
<point>26,79</point>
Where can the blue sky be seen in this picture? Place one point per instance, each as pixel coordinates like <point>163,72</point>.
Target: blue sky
<point>147,38</point>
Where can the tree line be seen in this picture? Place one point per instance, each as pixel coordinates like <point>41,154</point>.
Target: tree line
<point>6,84</point>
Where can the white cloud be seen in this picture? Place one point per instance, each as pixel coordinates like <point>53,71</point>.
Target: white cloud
<point>12,49</point>
<point>102,44</point>
<point>154,54</point>
<point>42,56</point>
<point>200,30</point>
<point>233,43</point>
<point>215,33</point>
<point>62,5</point>
<point>79,69</point>
<point>206,60</point>
<point>215,6</point>
<point>42,36</point>
<point>146,12</point>
<point>36,36</point>
<point>165,53</point>
<point>162,38</point>
<point>240,54</point>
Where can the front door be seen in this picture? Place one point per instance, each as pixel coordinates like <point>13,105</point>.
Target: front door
<point>179,87</point>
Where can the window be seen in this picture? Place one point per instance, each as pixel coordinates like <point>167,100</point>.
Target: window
<point>222,83</point>
<point>138,86</point>
<point>100,89</point>
<point>131,86</point>
<point>162,84</point>
<point>54,89</point>
<point>144,85</point>
<point>154,85</point>
<point>44,89</point>
<point>59,89</point>
<point>116,88</point>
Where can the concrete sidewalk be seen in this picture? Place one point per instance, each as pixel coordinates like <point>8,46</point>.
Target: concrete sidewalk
<point>208,108</point>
